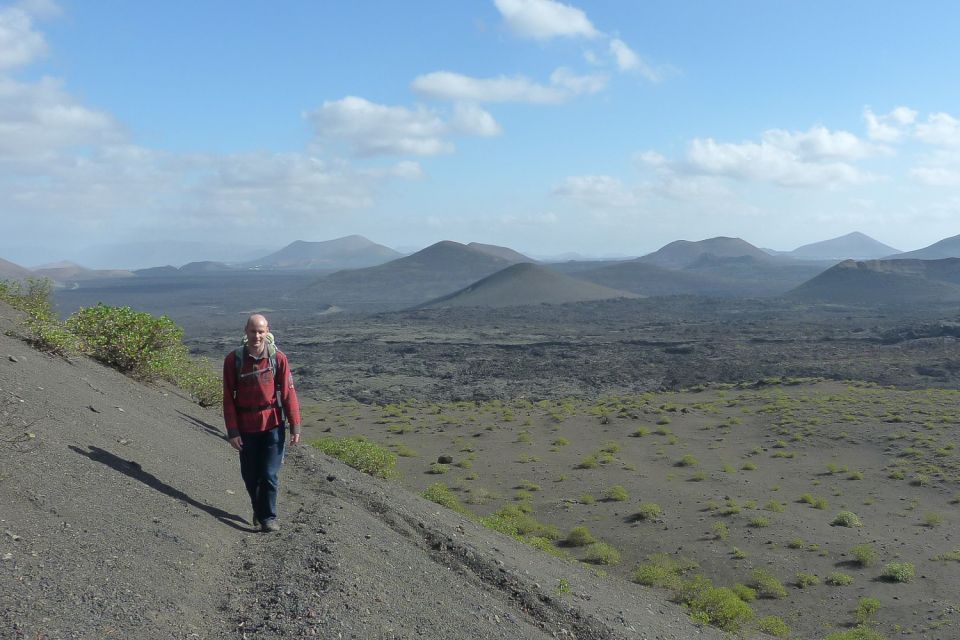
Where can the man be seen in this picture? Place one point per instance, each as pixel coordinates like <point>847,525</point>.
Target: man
<point>258,396</point>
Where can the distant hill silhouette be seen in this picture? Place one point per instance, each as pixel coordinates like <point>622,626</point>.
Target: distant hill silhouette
<point>893,281</point>
<point>349,252</point>
<point>205,266</point>
<point>501,252</point>
<point>155,272</point>
<point>855,246</point>
<point>12,271</point>
<point>682,253</point>
<point>527,284</point>
<point>71,272</point>
<point>439,269</point>
<point>650,280</point>
<point>946,248</point>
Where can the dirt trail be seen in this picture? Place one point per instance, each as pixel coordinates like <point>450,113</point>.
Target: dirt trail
<point>124,517</point>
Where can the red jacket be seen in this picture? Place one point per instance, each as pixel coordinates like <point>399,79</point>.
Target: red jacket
<point>254,407</point>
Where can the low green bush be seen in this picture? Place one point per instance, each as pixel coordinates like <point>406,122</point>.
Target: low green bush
<point>602,553</point>
<point>662,570</point>
<point>847,519</point>
<point>360,454</point>
<point>774,626</point>
<point>648,511</point>
<point>767,585</point>
<point>839,579</point>
<point>857,633</point>
<point>580,537</point>
<point>864,554</point>
<point>899,571</point>
<point>867,609</point>
<point>617,493</point>
<point>722,608</point>
<point>442,495</point>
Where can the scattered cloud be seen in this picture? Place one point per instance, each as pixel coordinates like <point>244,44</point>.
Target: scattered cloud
<point>470,119</point>
<point>936,176</point>
<point>940,129</point>
<point>598,191</point>
<point>628,61</point>
<point>371,129</point>
<point>20,44</point>
<point>564,85</point>
<point>890,127</point>
<point>545,19</point>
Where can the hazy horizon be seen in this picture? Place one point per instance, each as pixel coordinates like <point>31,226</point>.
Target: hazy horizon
<point>549,127</point>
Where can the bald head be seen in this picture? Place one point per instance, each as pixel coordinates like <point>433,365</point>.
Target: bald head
<point>256,332</point>
<point>256,320</point>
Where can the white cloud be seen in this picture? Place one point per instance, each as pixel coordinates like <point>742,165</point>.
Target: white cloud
<point>446,85</point>
<point>578,84</point>
<point>767,162</point>
<point>473,120</point>
<point>40,119</point>
<point>936,176</point>
<point>890,127</point>
<point>819,143</point>
<point>940,129</point>
<point>371,129</point>
<point>19,43</point>
<point>564,85</point>
<point>628,60</point>
<point>598,191</point>
<point>545,19</point>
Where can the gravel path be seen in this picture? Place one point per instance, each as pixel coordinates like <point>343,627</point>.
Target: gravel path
<point>124,517</point>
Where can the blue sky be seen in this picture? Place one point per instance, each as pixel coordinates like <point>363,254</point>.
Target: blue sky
<point>604,127</point>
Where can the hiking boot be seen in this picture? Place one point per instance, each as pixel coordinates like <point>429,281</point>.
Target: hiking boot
<point>254,520</point>
<point>269,526</point>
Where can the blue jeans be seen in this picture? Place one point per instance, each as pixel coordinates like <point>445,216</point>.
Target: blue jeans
<point>260,462</point>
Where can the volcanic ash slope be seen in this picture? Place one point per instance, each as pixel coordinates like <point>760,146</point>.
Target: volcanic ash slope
<point>124,516</point>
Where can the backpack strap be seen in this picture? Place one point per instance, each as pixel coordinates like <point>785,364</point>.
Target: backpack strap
<point>240,353</point>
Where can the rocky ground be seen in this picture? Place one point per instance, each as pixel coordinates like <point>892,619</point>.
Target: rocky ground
<point>124,516</point>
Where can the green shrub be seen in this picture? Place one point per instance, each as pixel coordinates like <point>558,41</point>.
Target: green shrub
<point>933,519</point>
<point>759,522</point>
<point>797,543</point>
<point>775,506</point>
<point>602,553</point>
<point>744,592</point>
<point>360,454</point>
<point>45,330</point>
<point>687,461</point>
<point>867,609</point>
<point>132,342</point>
<point>767,585</point>
<point>774,626</point>
<point>899,572</point>
<point>722,608</point>
<point>857,633</point>
<point>580,537</point>
<point>661,570</point>
<point>617,493</point>
<point>864,554</point>
<point>587,499</point>
<point>439,468</point>
<point>441,494</point>
<point>805,579</point>
<point>847,519</point>
<point>721,531</point>
<point>648,511</point>
<point>839,579</point>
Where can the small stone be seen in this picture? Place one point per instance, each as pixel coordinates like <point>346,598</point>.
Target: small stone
<point>331,478</point>
<point>93,408</point>
<point>445,459</point>
<point>13,358</point>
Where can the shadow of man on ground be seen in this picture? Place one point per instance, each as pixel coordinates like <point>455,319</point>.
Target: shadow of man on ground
<point>133,470</point>
<point>206,426</point>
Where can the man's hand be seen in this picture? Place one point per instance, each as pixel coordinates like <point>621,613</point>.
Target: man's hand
<point>236,443</point>
<point>295,437</point>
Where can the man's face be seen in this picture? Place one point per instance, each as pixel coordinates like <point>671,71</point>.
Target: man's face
<point>256,334</point>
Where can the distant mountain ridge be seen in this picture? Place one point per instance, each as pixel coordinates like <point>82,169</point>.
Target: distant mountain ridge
<point>894,281</point>
<point>501,252</point>
<point>13,271</point>
<point>946,248</point>
<point>852,246</point>
<point>435,271</point>
<point>71,272</point>
<point>682,253</point>
<point>524,284</point>
<point>349,252</point>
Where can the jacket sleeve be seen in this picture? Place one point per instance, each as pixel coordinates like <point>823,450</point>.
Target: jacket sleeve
<point>288,393</point>
<point>229,384</point>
